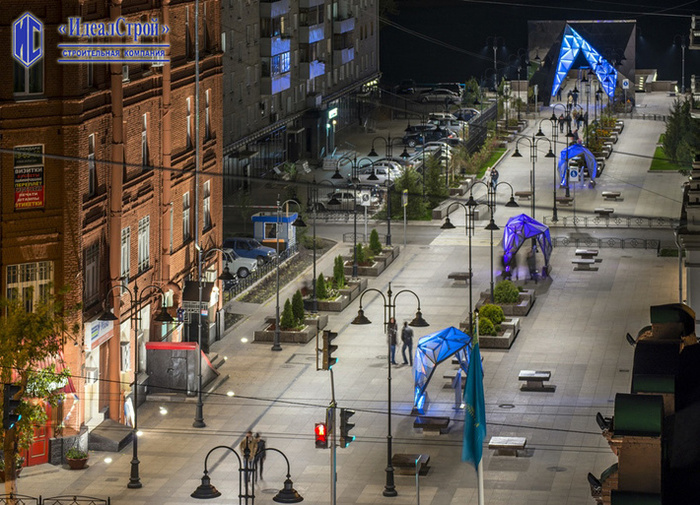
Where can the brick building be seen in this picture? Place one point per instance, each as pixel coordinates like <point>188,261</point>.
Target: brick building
<point>107,151</point>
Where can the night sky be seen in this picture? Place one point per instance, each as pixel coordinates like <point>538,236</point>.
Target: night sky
<point>446,40</point>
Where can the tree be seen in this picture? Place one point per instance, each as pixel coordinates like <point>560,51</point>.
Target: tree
<point>374,244</point>
<point>26,340</point>
<point>298,306</point>
<point>415,209</point>
<point>287,321</point>
<point>339,272</point>
<point>321,291</point>
<point>681,139</point>
<point>434,183</point>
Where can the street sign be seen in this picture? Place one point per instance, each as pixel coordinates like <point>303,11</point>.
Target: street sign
<point>365,198</point>
<point>574,174</point>
<point>625,84</point>
<point>404,198</point>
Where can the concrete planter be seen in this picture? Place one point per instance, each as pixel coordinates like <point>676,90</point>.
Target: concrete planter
<point>353,288</point>
<point>320,321</point>
<point>337,305</point>
<point>365,270</point>
<point>520,309</point>
<point>291,337</point>
<point>510,328</point>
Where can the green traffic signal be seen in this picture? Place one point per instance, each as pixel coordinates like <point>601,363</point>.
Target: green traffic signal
<point>345,427</point>
<point>329,349</point>
<point>10,417</point>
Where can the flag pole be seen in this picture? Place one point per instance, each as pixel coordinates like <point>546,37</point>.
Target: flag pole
<point>480,466</point>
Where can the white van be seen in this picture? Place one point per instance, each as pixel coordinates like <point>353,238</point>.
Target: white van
<point>441,115</point>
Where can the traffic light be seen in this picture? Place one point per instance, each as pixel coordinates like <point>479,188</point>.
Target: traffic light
<point>321,433</point>
<point>329,349</point>
<point>345,427</point>
<point>10,406</point>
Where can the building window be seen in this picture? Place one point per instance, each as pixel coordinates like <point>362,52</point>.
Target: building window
<point>90,75</point>
<point>172,231</point>
<point>276,65</point>
<point>126,255</point>
<point>188,126</point>
<point>207,121</point>
<point>206,206</point>
<point>204,28</point>
<point>186,216</point>
<point>144,243</point>
<point>29,81</point>
<point>144,142</point>
<point>92,167</point>
<point>188,37</point>
<point>30,280</point>
<point>92,274</point>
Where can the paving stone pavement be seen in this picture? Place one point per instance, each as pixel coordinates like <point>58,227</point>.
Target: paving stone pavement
<point>576,329</point>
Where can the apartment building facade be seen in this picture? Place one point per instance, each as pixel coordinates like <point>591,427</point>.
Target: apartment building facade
<point>295,73</point>
<point>115,204</point>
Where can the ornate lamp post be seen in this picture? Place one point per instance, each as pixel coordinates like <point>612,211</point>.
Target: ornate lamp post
<point>246,473</point>
<point>555,136</point>
<point>418,321</point>
<point>682,39</point>
<point>533,157</point>
<point>495,45</point>
<point>162,316</point>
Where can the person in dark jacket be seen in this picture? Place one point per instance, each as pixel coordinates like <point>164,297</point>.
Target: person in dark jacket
<point>407,339</point>
<point>391,335</point>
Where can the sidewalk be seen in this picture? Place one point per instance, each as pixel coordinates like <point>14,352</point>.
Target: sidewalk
<point>576,330</point>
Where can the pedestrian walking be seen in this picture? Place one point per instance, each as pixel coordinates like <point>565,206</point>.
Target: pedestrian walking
<point>494,178</point>
<point>407,339</point>
<point>260,453</point>
<point>559,94</point>
<point>561,123</point>
<point>248,447</point>
<point>532,264</point>
<point>391,335</point>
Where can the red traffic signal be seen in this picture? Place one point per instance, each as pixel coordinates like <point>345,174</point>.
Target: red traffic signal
<point>321,433</point>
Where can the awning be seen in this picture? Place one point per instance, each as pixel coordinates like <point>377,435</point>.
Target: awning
<point>191,291</point>
<point>60,364</point>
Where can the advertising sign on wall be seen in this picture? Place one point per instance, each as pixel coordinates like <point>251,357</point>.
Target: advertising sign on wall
<point>29,177</point>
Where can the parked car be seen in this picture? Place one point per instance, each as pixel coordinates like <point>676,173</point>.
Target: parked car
<point>250,248</point>
<point>380,172</point>
<point>415,139</point>
<point>441,115</point>
<point>344,200</point>
<point>238,265</point>
<point>455,87</point>
<point>454,125</point>
<point>466,114</point>
<point>439,95</point>
<point>419,128</point>
<point>406,87</point>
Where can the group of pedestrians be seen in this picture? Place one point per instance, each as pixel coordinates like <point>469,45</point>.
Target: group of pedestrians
<point>253,451</point>
<point>406,340</point>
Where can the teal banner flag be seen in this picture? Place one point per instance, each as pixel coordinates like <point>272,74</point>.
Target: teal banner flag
<point>474,413</point>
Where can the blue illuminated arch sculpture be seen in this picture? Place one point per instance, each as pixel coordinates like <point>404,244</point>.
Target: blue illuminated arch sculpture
<point>571,45</point>
<point>521,228</point>
<point>571,152</point>
<point>432,350</point>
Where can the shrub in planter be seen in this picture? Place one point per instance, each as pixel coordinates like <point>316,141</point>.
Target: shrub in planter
<point>288,321</point>
<point>339,272</point>
<point>76,458</point>
<point>493,313</point>
<point>364,255</point>
<point>298,306</point>
<point>486,327</point>
<point>374,244</point>
<point>506,292</point>
<point>321,290</point>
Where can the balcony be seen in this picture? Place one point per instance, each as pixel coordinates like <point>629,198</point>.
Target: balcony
<point>309,70</point>
<point>275,84</point>
<point>342,56</point>
<point>308,4</point>
<point>311,34</point>
<point>344,25</point>
<point>273,46</point>
<point>273,9</point>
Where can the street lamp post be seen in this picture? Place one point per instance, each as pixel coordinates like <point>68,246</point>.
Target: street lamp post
<point>225,276</point>
<point>161,316</point>
<point>297,222</point>
<point>469,228</point>
<point>555,136</point>
<point>533,157</point>
<point>494,45</point>
<point>418,321</point>
<point>682,39</point>
<point>388,142</point>
<point>246,473</point>
<point>491,204</point>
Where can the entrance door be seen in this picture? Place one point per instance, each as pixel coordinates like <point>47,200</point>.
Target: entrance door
<point>103,379</point>
<point>38,452</point>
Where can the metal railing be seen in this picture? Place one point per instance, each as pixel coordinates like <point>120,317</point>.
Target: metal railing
<point>610,222</point>
<point>261,272</point>
<point>609,242</point>
<point>19,499</point>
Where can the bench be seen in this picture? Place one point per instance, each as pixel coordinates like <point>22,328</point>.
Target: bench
<point>450,376</point>
<point>565,200</point>
<point>611,195</point>
<point>460,276</point>
<point>432,425</point>
<point>535,379</point>
<point>508,446</point>
<point>588,254</point>
<point>405,464</point>
<point>584,264</point>
<point>604,211</point>
<point>523,195</point>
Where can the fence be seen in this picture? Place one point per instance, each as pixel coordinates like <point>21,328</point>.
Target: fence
<point>611,222</point>
<point>18,499</point>
<point>609,242</point>
<point>234,288</point>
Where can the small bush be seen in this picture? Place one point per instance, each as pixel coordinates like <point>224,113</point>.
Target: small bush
<point>339,272</point>
<point>374,244</point>
<point>74,453</point>
<point>321,289</point>
<point>506,292</point>
<point>298,307</point>
<point>486,327</point>
<point>287,321</point>
<point>360,253</point>
<point>493,313</point>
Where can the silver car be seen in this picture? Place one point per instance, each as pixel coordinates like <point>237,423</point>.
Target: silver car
<point>440,96</point>
<point>239,265</point>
